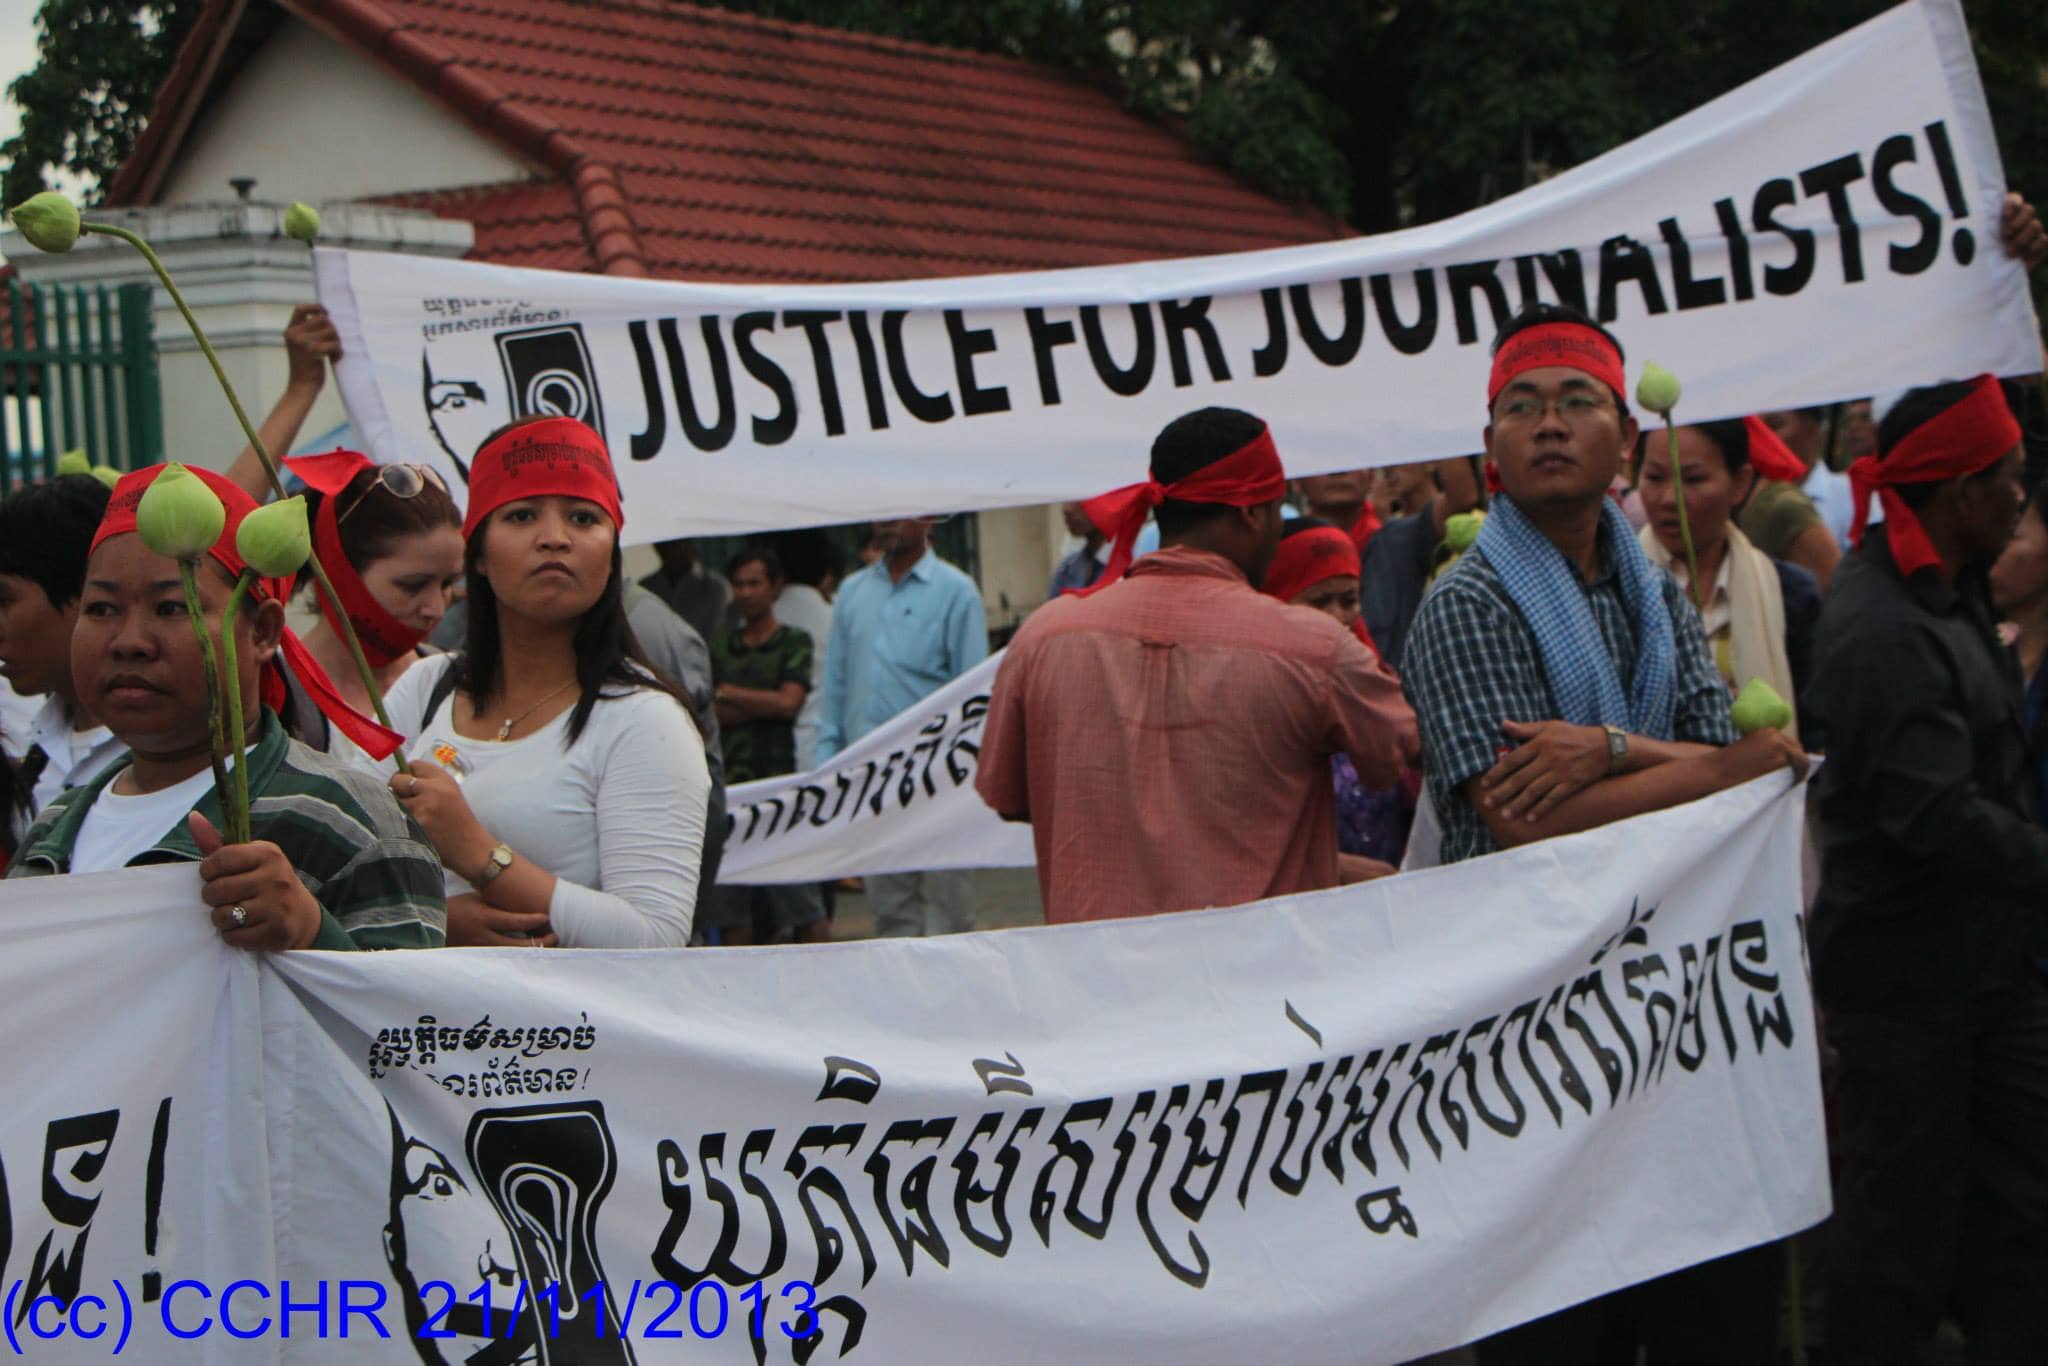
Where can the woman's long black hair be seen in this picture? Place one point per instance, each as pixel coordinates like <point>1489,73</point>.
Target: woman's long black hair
<point>609,661</point>
<point>607,655</point>
<point>14,804</point>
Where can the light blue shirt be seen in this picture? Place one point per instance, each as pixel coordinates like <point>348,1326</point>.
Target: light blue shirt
<point>1832,498</point>
<point>895,643</point>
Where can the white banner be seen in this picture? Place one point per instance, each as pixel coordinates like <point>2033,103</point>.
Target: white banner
<point>899,799</point>
<point>1825,232</point>
<point>1356,1126</point>
<point>132,1146</point>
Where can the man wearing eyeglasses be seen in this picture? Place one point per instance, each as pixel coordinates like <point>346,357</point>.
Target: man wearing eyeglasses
<point>1562,681</point>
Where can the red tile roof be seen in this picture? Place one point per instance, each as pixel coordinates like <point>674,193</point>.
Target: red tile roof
<point>689,142</point>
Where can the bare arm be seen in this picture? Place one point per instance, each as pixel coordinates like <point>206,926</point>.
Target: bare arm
<point>1554,760</point>
<point>1815,551</point>
<point>1649,789</point>
<point>310,341</point>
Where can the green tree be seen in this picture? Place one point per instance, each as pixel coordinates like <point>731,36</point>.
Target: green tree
<point>1389,114</point>
<point>98,66</point>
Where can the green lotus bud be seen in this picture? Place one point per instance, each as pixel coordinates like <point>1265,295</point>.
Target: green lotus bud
<point>48,220</point>
<point>1657,390</point>
<point>1462,530</point>
<point>1759,707</point>
<point>179,516</point>
<point>106,474</point>
<point>302,222</point>
<point>275,540</point>
<point>73,462</point>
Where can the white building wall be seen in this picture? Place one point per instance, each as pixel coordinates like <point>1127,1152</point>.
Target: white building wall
<point>241,276</point>
<point>313,119</point>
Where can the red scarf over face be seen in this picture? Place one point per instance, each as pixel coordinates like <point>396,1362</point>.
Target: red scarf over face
<point>374,739</point>
<point>1973,435</point>
<point>383,636</point>
<point>1247,477</point>
<point>557,455</point>
<point>1769,456</point>
<point>1308,557</point>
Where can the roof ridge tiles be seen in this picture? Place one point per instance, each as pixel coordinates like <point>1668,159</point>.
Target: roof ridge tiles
<point>1171,211</point>
<point>1014,227</point>
<point>960,175</point>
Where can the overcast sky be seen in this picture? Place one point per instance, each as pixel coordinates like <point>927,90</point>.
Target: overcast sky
<point>17,54</point>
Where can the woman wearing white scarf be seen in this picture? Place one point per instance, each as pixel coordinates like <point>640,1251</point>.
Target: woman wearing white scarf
<point>1759,613</point>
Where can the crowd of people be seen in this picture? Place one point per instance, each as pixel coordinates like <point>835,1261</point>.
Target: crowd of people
<point>1240,687</point>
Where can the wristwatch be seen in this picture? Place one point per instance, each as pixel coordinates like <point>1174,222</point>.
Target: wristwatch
<point>498,862</point>
<point>1617,749</point>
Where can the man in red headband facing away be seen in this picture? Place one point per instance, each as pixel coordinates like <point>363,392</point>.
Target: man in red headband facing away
<point>1927,931</point>
<point>1562,681</point>
<point>1168,732</point>
<point>334,863</point>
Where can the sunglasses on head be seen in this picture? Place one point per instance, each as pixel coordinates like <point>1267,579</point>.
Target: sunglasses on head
<point>398,480</point>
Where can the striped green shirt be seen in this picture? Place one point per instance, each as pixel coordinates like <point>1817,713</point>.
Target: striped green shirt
<point>363,859</point>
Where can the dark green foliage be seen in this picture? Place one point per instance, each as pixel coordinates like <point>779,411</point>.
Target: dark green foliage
<point>95,78</point>
<point>1390,113</point>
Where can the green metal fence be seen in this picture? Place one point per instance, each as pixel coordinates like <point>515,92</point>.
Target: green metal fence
<point>78,371</point>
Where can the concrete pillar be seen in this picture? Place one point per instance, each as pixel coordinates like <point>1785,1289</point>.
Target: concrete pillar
<point>242,276</point>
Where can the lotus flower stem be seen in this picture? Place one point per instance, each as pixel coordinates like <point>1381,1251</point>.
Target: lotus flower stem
<point>213,726</point>
<point>1692,559</point>
<point>238,813</point>
<point>340,614</point>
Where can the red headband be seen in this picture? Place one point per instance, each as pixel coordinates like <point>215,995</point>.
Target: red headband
<point>557,455</point>
<point>1247,477</point>
<point>119,520</point>
<point>1769,456</point>
<point>1306,558</point>
<point>383,636</point>
<point>1971,436</point>
<point>1574,345</point>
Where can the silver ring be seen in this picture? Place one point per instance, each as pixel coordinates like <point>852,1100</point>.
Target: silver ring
<point>238,915</point>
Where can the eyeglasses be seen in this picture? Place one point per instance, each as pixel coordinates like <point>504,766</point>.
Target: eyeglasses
<point>1572,407</point>
<point>400,481</point>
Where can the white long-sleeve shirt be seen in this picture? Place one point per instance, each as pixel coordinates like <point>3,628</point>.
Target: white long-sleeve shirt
<point>617,817</point>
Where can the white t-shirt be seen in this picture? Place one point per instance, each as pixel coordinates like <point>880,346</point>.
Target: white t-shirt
<point>618,817</point>
<point>17,714</point>
<point>804,607</point>
<point>75,757</point>
<point>117,828</point>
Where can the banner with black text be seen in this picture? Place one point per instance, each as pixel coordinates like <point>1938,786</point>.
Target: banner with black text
<point>1355,1126</point>
<point>1825,232</point>
<point>900,799</point>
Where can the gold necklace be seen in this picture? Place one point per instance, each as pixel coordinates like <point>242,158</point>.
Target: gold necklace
<point>505,731</point>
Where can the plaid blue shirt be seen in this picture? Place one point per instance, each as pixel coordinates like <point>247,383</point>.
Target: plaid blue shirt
<point>1471,662</point>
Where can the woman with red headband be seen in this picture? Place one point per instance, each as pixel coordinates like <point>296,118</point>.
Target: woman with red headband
<point>333,863</point>
<point>390,538</point>
<point>1759,613</point>
<point>560,777</point>
<point>1317,566</point>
